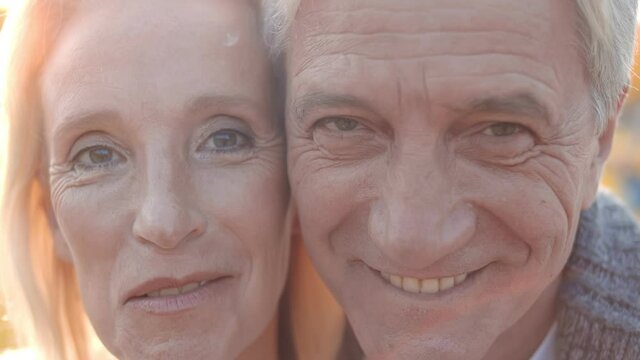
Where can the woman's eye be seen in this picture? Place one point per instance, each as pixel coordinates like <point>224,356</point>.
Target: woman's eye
<point>226,140</point>
<point>98,157</point>
<point>502,129</point>
<point>340,124</point>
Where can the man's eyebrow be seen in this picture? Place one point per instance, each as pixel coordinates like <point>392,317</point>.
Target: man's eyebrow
<point>522,104</point>
<point>314,100</point>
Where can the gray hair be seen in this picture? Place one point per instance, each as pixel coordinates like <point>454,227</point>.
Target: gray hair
<point>606,30</point>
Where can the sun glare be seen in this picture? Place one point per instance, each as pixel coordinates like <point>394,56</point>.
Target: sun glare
<point>22,354</point>
<point>4,4</point>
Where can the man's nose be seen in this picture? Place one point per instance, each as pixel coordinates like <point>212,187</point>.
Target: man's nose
<point>168,214</point>
<point>419,218</point>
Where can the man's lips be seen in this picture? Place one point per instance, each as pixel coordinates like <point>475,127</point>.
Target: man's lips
<point>167,286</point>
<point>426,284</point>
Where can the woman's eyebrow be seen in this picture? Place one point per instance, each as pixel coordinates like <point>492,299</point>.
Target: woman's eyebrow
<point>78,121</point>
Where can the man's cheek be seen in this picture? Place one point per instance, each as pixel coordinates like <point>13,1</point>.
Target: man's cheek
<point>317,208</point>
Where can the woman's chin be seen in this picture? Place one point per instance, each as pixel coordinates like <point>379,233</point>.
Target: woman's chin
<point>186,346</point>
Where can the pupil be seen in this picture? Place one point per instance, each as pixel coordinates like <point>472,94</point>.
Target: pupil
<point>225,140</point>
<point>345,124</point>
<point>99,156</point>
<point>504,129</point>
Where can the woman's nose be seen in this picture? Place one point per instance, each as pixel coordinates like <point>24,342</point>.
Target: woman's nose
<point>168,214</point>
<point>417,221</point>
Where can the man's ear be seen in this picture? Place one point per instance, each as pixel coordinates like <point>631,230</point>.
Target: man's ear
<point>605,143</point>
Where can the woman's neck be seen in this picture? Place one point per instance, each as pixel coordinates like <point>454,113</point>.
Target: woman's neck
<point>266,346</point>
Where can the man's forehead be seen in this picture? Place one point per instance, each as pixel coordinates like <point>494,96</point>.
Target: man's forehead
<point>449,52</point>
<point>381,29</point>
<point>415,16</point>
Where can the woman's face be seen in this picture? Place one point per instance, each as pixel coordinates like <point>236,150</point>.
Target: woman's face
<point>166,174</point>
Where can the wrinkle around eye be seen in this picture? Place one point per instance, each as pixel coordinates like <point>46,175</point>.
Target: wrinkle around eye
<point>509,150</point>
<point>520,159</point>
<point>351,153</point>
<point>555,173</point>
<point>270,149</point>
<point>61,179</point>
<point>70,176</point>
<point>343,145</point>
<point>316,159</point>
<point>264,151</point>
<point>545,78</point>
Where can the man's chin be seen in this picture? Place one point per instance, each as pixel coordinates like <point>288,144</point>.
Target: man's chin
<point>409,346</point>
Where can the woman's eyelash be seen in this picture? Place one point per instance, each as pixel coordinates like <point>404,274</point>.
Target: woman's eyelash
<point>225,141</point>
<point>97,157</point>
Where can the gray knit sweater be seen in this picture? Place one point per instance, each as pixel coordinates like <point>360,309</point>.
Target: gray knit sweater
<point>600,298</point>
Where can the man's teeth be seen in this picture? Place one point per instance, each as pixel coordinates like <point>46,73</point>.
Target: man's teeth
<point>177,290</point>
<point>425,286</point>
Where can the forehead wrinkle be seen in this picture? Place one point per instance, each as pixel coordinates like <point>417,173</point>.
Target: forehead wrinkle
<point>404,5</point>
<point>367,19</point>
<point>404,47</point>
<point>442,66</point>
<point>399,93</point>
<point>425,87</point>
<point>536,81</point>
<point>321,34</point>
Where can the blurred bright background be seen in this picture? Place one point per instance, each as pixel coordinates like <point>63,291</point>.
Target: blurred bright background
<point>6,336</point>
<point>622,174</point>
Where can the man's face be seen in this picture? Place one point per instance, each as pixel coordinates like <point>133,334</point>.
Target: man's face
<point>440,153</point>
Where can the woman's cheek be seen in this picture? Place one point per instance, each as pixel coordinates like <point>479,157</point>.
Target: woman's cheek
<point>93,219</point>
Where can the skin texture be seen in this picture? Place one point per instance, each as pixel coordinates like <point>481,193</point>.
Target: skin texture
<point>434,138</point>
<point>166,159</point>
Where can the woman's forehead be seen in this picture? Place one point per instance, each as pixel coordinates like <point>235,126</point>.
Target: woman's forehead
<point>163,53</point>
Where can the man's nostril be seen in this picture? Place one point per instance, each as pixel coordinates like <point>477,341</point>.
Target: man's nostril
<point>459,225</point>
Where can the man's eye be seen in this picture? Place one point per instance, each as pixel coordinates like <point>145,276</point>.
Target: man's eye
<point>225,141</point>
<point>340,124</point>
<point>98,157</point>
<point>502,129</point>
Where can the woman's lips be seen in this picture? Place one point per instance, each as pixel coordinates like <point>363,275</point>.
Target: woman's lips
<point>166,296</point>
<point>177,290</point>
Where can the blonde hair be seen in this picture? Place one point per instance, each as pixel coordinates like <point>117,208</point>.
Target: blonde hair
<point>40,290</point>
<point>606,31</point>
